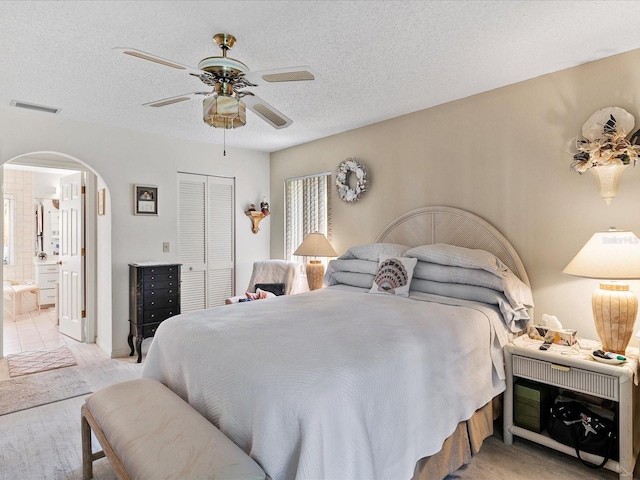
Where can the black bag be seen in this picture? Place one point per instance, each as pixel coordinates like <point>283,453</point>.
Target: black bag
<point>572,423</point>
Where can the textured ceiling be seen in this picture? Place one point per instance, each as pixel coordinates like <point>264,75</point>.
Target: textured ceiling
<point>377,59</point>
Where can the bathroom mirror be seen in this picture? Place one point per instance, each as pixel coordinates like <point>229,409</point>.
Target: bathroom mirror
<point>47,227</point>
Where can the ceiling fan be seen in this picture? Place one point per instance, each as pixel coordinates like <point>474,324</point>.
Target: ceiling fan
<point>225,105</point>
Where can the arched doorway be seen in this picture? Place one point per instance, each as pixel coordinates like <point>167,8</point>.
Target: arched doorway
<point>96,325</point>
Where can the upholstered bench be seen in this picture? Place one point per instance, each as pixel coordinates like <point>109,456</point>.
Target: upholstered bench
<point>148,432</point>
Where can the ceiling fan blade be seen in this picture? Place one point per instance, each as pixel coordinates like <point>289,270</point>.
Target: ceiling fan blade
<point>162,61</point>
<point>288,74</point>
<point>171,100</point>
<point>266,112</point>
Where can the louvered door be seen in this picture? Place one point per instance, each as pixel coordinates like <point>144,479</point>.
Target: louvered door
<point>220,235</point>
<point>206,240</point>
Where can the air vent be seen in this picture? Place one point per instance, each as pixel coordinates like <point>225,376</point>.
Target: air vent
<point>33,106</point>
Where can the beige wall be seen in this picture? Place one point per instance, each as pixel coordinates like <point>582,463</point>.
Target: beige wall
<point>500,155</point>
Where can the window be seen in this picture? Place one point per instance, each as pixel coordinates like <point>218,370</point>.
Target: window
<point>307,208</point>
<point>7,231</point>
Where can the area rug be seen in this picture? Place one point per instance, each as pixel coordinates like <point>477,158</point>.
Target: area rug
<point>39,361</point>
<point>40,389</point>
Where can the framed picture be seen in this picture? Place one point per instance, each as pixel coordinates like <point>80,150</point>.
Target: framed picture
<point>101,195</point>
<point>145,199</point>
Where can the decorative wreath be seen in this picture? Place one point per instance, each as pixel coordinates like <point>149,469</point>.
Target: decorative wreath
<point>349,167</point>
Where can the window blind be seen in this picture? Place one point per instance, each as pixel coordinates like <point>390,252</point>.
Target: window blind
<point>307,209</point>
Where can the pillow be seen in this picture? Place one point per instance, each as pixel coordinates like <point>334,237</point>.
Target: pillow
<point>362,280</point>
<point>354,265</point>
<point>445,254</point>
<point>516,291</point>
<point>514,317</point>
<point>394,276</point>
<point>259,295</point>
<point>275,288</point>
<point>463,292</point>
<point>374,251</point>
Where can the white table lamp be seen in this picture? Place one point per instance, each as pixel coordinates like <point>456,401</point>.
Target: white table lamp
<point>315,245</point>
<point>612,255</point>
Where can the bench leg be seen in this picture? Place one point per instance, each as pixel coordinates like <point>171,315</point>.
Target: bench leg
<point>87,462</point>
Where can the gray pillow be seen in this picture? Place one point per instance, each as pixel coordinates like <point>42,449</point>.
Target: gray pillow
<point>374,251</point>
<point>445,254</point>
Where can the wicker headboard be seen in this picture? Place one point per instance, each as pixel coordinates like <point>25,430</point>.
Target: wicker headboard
<point>428,225</point>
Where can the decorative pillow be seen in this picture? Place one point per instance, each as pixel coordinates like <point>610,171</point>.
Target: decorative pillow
<point>394,276</point>
<point>259,295</point>
<point>445,254</point>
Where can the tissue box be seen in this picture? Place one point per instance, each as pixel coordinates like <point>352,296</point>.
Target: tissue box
<point>563,336</point>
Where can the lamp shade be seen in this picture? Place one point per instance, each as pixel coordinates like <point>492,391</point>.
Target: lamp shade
<point>315,245</point>
<point>612,255</point>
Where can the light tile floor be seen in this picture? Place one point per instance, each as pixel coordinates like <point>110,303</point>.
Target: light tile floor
<point>35,330</point>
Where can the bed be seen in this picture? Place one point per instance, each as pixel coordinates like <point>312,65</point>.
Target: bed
<point>340,383</point>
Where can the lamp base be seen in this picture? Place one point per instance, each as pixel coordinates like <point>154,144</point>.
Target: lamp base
<point>315,272</point>
<point>614,313</point>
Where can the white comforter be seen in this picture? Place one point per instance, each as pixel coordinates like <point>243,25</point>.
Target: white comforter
<point>332,384</point>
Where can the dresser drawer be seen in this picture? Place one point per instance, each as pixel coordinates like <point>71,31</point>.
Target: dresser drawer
<point>160,302</point>
<point>159,314</point>
<point>576,379</point>
<point>160,270</point>
<point>160,277</point>
<point>48,280</point>
<point>48,296</point>
<point>42,269</point>
<point>154,285</point>
<point>159,292</point>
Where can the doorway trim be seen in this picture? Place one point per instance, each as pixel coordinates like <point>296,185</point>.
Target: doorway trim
<point>64,161</point>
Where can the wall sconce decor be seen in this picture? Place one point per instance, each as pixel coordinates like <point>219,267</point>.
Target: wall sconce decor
<point>604,149</point>
<point>257,216</point>
<point>315,245</point>
<point>612,255</point>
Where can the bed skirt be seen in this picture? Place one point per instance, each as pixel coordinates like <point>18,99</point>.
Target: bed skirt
<point>460,447</point>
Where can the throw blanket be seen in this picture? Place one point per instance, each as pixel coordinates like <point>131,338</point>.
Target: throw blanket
<point>292,274</point>
<point>335,383</point>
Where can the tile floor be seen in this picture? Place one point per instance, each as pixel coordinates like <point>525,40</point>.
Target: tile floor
<point>34,330</point>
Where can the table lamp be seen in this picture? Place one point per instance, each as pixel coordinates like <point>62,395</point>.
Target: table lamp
<point>612,255</point>
<point>315,245</point>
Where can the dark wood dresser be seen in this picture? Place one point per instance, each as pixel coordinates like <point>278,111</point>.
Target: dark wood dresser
<point>154,296</point>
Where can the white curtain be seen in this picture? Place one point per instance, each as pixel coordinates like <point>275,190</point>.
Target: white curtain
<point>307,208</point>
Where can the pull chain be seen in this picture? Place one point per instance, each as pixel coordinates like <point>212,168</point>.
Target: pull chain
<point>224,139</point>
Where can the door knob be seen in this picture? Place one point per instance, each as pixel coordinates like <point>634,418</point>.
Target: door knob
<point>59,262</point>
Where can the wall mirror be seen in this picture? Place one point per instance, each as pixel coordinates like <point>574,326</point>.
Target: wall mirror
<point>47,227</point>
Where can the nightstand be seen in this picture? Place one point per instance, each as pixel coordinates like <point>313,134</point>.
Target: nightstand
<point>571,369</point>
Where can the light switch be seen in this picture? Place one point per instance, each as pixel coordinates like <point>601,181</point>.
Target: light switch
<point>165,247</point>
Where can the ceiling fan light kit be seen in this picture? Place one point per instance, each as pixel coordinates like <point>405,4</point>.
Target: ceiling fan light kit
<point>226,104</point>
<point>224,112</point>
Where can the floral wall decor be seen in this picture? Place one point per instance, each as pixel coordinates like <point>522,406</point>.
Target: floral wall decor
<point>351,189</point>
<point>604,149</point>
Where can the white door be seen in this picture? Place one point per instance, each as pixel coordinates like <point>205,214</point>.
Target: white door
<point>206,240</point>
<point>71,302</point>
<point>192,194</point>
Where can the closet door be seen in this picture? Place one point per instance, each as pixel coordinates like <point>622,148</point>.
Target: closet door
<point>220,244</point>
<point>205,240</point>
